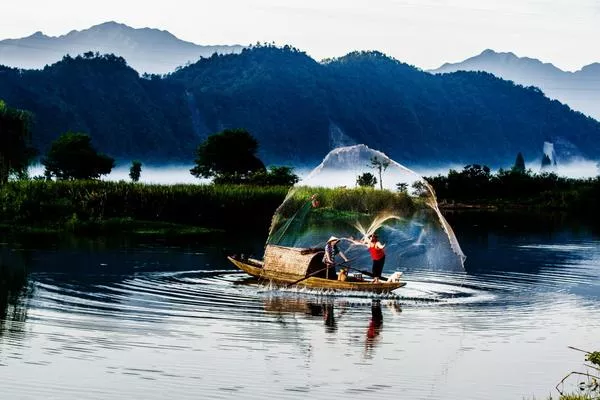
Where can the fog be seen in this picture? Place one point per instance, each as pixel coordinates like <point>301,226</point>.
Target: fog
<point>174,174</point>
<point>574,169</point>
<point>154,174</point>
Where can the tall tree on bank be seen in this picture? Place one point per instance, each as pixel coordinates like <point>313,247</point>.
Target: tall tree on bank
<point>380,165</point>
<point>135,170</point>
<point>228,157</point>
<point>519,164</point>
<point>546,161</point>
<point>16,152</point>
<point>72,156</point>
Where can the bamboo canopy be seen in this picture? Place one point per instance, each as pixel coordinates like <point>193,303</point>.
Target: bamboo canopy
<point>291,260</point>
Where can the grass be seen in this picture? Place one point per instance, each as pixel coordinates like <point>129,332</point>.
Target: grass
<point>142,208</point>
<point>101,206</point>
<point>354,201</point>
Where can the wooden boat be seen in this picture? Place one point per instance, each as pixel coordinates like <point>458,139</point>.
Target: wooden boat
<point>286,265</point>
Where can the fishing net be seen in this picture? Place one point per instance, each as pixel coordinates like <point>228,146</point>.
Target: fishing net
<point>357,191</point>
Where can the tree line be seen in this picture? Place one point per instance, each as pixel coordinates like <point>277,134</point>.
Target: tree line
<point>227,157</point>
<point>476,184</point>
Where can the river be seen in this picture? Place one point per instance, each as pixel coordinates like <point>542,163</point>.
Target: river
<point>125,318</point>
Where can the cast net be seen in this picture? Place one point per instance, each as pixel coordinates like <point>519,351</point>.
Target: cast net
<point>357,191</point>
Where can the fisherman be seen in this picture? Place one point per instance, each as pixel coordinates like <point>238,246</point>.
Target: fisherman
<point>377,255</point>
<point>331,250</point>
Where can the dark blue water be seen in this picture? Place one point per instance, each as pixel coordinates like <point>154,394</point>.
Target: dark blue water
<point>129,318</point>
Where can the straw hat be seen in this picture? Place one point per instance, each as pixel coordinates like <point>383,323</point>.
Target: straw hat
<point>333,239</point>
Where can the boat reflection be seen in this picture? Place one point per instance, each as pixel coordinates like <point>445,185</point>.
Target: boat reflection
<point>329,310</point>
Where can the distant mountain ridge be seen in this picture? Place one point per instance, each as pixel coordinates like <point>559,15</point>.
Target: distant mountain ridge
<point>297,108</point>
<point>579,89</point>
<point>146,50</point>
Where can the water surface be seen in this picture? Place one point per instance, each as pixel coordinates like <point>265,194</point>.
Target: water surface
<point>126,318</point>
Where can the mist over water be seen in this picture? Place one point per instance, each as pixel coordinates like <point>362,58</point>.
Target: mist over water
<point>579,169</point>
<point>169,174</point>
<point>164,175</point>
<point>574,169</point>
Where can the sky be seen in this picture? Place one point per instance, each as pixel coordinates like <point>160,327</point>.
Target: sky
<point>424,33</point>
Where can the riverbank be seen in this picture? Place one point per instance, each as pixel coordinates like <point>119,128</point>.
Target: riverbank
<point>105,207</point>
<point>476,188</point>
<point>101,207</point>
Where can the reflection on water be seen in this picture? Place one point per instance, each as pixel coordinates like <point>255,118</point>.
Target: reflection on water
<point>155,319</point>
<point>13,292</point>
<point>374,329</point>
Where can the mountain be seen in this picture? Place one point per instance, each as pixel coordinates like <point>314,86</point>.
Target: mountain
<point>297,108</point>
<point>580,89</point>
<point>127,116</point>
<point>146,50</point>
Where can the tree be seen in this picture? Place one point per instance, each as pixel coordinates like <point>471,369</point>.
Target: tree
<point>228,157</point>
<point>135,170</point>
<point>380,165</point>
<point>16,153</point>
<point>402,187</point>
<point>420,189</point>
<point>275,176</point>
<point>519,164</point>
<point>366,180</point>
<point>72,156</point>
<point>546,162</point>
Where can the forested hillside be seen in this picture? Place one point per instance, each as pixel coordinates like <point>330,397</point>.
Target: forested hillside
<point>127,116</point>
<point>296,107</point>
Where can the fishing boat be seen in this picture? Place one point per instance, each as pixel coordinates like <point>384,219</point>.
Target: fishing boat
<point>304,267</point>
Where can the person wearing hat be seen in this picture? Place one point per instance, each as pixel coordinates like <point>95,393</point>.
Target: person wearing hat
<point>331,250</point>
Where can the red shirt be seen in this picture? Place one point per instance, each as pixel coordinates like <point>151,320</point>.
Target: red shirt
<point>376,253</point>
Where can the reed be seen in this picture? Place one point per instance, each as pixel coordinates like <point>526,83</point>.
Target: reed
<point>71,204</point>
<point>344,203</point>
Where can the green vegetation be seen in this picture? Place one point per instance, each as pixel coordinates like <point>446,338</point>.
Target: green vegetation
<point>476,185</point>
<point>344,201</point>
<point>72,156</point>
<point>546,162</point>
<point>135,170</point>
<point>229,157</point>
<point>588,382</point>
<point>95,206</point>
<point>366,179</point>
<point>123,206</point>
<point>374,99</point>
<point>519,163</point>
<point>274,176</point>
<point>15,136</point>
<point>380,165</point>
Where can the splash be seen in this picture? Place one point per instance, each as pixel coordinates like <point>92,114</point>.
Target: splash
<point>376,224</point>
<point>393,201</point>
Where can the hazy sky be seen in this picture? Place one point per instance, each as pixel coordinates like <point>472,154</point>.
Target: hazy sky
<point>425,33</point>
